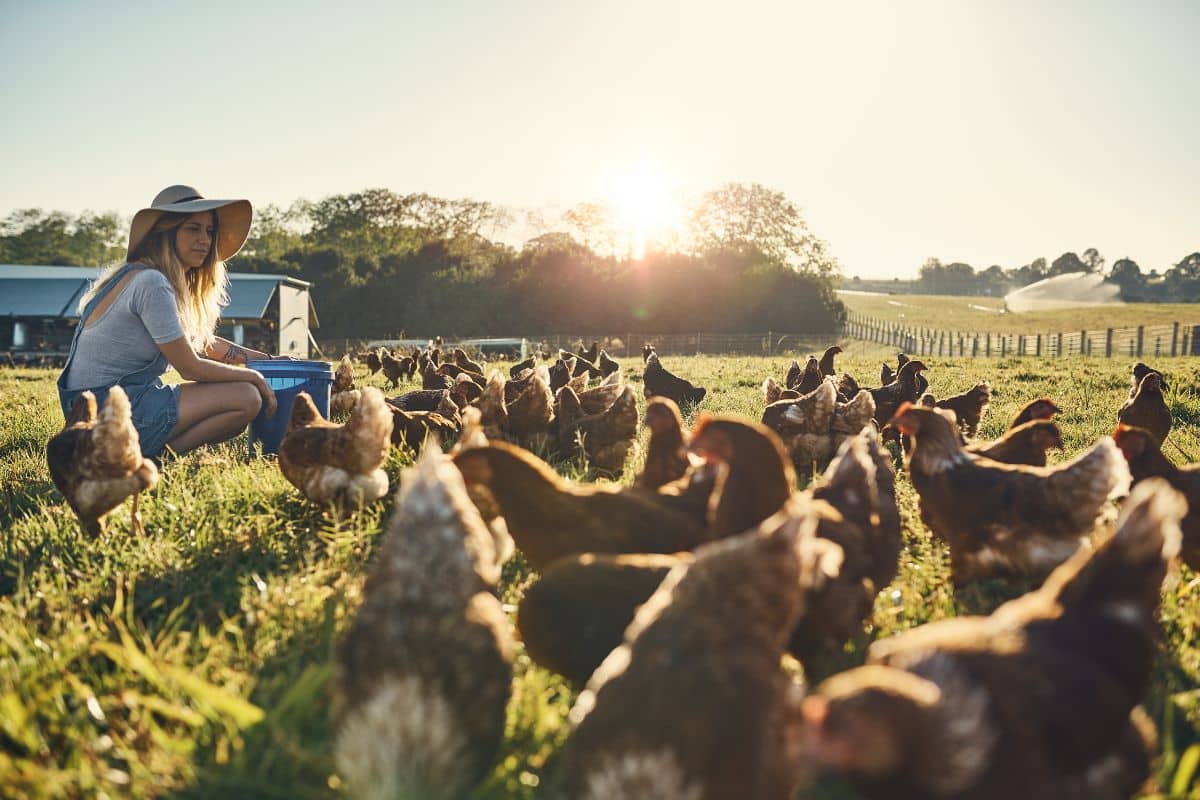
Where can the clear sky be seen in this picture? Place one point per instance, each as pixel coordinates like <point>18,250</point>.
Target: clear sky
<point>985,132</point>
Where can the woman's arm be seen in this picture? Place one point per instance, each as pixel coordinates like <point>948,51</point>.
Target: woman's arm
<point>232,353</point>
<point>193,368</point>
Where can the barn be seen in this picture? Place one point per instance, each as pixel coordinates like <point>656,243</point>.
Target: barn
<point>39,312</point>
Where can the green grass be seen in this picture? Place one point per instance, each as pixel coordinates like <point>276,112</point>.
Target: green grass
<point>987,315</point>
<point>194,662</point>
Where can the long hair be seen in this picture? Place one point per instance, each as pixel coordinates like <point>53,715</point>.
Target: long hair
<point>199,293</point>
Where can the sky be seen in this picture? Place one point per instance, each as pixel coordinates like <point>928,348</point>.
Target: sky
<point>967,130</point>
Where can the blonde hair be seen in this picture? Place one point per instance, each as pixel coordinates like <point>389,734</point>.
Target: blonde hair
<point>199,293</point>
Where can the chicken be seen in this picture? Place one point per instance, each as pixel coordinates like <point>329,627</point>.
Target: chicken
<point>1042,408</point>
<point>529,414</point>
<point>412,428</point>
<point>561,373</point>
<point>606,364</point>
<point>805,381</point>
<point>343,394</point>
<point>906,389</point>
<point>395,368</point>
<point>432,379</point>
<point>968,407</point>
<point>1038,700</point>
<point>550,517</point>
<point>695,703</point>
<point>851,417</point>
<point>887,375</point>
<point>96,461</point>
<point>1147,408</point>
<point>773,392</point>
<point>374,360</point>
<point>827,368</point>
<point>577,613</point>
<point>1141,451</point>
<point>463,360</point>
<point>521,366</point>
<point>1024,444</point>
<point>647,349</point>
<point>423,676</point>
<point>666,455</point>
<point>804,424</point>
<point>420,400</point>
<point>338,464</point>
<point>458,374</point>
<point>591,354</point>
<point>1006,519</point>
<point>1139,371</point>
<point>607,437</point>
<point>493,409</point>
<point>600,398</point>
<point>659,382</point>
<point>755,478</point>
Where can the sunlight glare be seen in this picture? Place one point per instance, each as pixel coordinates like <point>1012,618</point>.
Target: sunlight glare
<point>644,209</point>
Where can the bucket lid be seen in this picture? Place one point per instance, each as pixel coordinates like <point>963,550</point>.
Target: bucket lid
<point>286,368</point>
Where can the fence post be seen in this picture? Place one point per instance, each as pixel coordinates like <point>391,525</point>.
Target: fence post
<point>1059,351</point>
<point>1003,346</point>
<point>988,353</point>
<point>1174,338</point>
<point>1108,336</point>
<point>1140,336</point>
<point>975,346</point>
<point>1157,348</point>
<point>1039,346</point>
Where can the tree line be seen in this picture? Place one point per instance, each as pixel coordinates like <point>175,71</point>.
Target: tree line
<point>385,264</point>
<point>1179,283</point>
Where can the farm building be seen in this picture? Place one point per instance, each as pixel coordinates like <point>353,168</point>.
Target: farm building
<point>39,311</point>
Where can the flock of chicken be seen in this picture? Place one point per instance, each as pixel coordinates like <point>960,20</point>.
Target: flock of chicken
<point>670,602</point>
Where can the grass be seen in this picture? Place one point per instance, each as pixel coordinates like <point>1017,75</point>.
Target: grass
<point>194,662</point>
<point>987,314</point>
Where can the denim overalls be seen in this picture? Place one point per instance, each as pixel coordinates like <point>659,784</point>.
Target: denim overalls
<point>155,406</point>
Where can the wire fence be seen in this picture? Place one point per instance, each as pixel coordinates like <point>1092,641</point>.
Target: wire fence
<point>1143,340</point>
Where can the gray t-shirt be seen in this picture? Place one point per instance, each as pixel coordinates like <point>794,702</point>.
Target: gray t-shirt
<point>126,338</point>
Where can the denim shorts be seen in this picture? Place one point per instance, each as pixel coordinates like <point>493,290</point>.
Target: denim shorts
<point>155,411</point>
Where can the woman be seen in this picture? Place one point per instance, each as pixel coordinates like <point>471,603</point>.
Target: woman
<point>160,308</point>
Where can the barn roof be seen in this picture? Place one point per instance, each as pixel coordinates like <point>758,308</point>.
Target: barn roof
<point>49,291</point>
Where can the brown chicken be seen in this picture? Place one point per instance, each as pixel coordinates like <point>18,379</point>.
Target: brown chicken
<point>804,381</point>
<point>773,392</point>
<point>338,464</point>
<point>607,437</point>
<point>529,414</point>
<point>666,454</point>
<point>827,368</point>
<point>804,425</point>
<point>1042,408</point>
<point>906,389</point>
<point>607,364</point>
<point>374,360</point>
<point>591,354</point>
<point>420,400</point>
<point>96,461</point>
<point>561,373</point>
<point>1146,461</point>
<point>1024,444</point>
<point>1006,519</point>
<point>851,417</point>
<point>521,366</point>
<point>968,407</point>
<point>396,368</point>
<point>755,477</point>
<point>463,360</point>
<point>550,517</point>
<point>1147,408</point>
<point>1139,371</point>
<point>582,366</point>
<point>658,382</point>
<point>413,428</point>
<point>343,394</point>
<point>432,379</point>
<point>493,409</point>
<point>647,349</point>
<point>423,675</point>
<point>887,375</point>
<point>695,703</point>
<point>601,397</point>
<point>1038,700</point>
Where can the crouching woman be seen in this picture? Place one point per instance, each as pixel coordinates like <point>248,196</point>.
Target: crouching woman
<point>159,309</point>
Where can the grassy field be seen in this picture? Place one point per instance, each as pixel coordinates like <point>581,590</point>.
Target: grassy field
<point>987,314</point>
<point>194,662</point>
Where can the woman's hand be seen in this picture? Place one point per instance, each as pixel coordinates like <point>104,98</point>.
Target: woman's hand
<point>268,394</point>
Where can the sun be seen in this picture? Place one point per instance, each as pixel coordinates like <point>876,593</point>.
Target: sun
<point>644,209</point>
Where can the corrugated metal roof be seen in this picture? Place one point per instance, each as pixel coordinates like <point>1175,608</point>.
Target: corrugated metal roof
<point>49,291</point>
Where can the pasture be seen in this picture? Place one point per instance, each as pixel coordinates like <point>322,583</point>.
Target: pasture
<point>193,662</point>
<point>971,314</point>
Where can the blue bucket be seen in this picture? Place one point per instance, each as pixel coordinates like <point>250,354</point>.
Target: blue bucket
<point>288,379</point>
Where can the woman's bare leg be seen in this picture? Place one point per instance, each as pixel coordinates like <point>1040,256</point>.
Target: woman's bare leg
<point>213,412</point>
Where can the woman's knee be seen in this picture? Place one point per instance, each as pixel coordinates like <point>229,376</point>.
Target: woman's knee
<point>249,400</point>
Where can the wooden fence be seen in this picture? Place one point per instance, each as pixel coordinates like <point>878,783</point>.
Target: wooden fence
<point>1144,340</point>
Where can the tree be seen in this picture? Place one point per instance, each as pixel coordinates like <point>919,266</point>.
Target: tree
<point>1093,260</point>
<point>1067,262</point>
<point>1128,275</point>
<point>741,217</point>
<point>33,236</point>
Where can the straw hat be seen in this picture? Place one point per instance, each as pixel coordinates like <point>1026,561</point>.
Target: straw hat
<point>233,218</point>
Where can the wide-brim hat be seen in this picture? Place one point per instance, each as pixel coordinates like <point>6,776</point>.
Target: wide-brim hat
<point>233,218</point>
